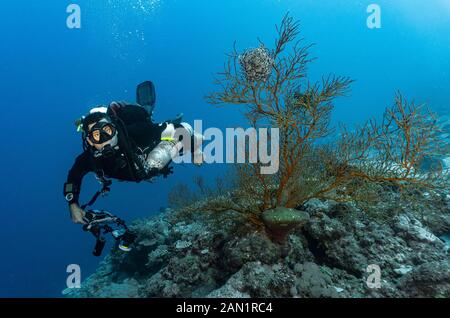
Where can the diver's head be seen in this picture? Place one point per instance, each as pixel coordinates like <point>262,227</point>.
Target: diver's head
<point>99,130</point>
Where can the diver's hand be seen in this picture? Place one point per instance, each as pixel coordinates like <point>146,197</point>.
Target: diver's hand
<point>77,214</point>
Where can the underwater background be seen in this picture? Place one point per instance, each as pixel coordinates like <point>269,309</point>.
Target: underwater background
<point>50,75</point>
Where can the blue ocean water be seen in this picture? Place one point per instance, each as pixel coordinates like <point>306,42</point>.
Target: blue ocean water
<point>50,75</point>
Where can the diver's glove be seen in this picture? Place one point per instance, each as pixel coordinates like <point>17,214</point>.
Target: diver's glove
<point>166,171</point>
<point>154,172</point>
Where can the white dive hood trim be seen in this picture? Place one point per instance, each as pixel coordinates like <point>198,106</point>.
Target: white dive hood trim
<point>103,110</point>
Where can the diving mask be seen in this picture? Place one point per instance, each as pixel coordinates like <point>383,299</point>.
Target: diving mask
<point>102,132</point>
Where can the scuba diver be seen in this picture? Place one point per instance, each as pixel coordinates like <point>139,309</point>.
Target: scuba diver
<point>122,142</point>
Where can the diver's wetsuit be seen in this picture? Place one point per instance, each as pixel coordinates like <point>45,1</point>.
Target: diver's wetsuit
<point>140,135</point>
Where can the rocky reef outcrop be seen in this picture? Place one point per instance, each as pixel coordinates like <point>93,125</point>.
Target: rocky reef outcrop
<point>221,255</point>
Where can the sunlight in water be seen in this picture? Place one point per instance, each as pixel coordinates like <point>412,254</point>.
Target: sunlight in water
<point>446,5</point>
<point>435,8</point>
<point>442,6</point>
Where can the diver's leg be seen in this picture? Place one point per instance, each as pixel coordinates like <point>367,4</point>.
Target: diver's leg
<point>173,141</point>
<point>194,144</point>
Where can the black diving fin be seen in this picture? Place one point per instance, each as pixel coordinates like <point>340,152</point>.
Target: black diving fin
<point>177,120</point>
<point>146,96</point>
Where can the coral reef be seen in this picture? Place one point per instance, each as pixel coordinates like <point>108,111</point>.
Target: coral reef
<point>327,257</point>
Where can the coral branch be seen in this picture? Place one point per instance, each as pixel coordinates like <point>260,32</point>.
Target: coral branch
<point>273,89</point>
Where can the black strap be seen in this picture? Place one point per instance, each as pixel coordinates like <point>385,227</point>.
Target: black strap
<point>105,189</point>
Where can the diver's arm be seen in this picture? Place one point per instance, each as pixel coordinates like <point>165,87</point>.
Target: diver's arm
<point>72,187</point>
